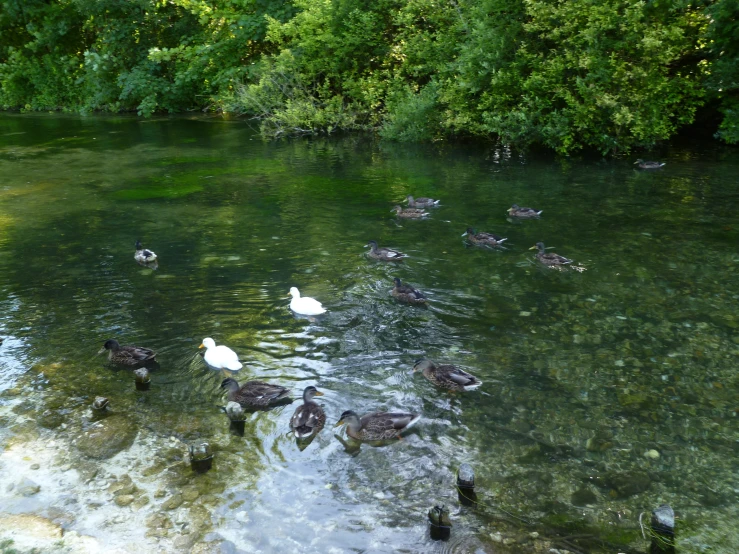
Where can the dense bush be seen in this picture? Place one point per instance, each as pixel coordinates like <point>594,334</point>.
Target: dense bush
<point>610,75</point>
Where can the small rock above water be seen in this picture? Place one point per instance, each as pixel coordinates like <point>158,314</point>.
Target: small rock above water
<point>27,487</point>
<point>106,438</point>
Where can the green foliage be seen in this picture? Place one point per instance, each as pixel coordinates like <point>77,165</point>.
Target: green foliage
<point>611,75</point>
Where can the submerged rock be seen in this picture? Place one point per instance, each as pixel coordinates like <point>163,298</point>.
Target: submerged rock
<point>27,487</point>
<point>106,438</point>
<point>583,497</point>
<point>627,483</point>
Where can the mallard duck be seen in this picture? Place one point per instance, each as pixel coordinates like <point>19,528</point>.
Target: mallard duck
<point>406,293</point>
<point>409,213</point>
<point>309,417</point>
<point>384,254</point>
<point>549,258</point>
<point>143,255</point>
<point>447,376</point>
<point>523,213</point>
<point>131,356</point>
<point>221,356</point>
<point>648,165</point>
<point>100,403</point>
<point>254,394</point>
<point>483,239</point>
<point>376,426</point>
<point>305,305</point>
<point>422,202</point>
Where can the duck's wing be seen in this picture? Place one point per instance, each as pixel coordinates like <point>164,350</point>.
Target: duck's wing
<point>459,376</point>
<point>137,353</point>
<point>307,417</point>
<point>388,424</point>
<point>390,253</point>
<point>264,393</point>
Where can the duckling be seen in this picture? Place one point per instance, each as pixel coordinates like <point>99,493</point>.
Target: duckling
<point>406,293</point>
<point>143,255</point>
<point>409,213</point>
<point>305,305</point>
<point>309,417</point>
<point>549,258</point>
<point>376,426</point>
<point>255,394</point>
<point>131,356</point>
<point>221,356</point>
<point>483,239</point>
<point>648,165</point>
<point>447,376</point>
<point>384,254</point>
<point>523,213</point>
<point>422,202</point>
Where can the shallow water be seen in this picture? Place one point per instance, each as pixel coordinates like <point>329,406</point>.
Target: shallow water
<point>607,391</point>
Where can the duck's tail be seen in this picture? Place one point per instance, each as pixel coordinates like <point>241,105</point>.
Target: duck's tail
<point>234,365</point>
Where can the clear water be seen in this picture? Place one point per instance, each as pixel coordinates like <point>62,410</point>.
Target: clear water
<point>584,372</point>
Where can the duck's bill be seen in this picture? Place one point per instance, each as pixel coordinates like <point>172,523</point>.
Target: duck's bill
<point>533,247</point>
<point>339,423</point>
<point>319,393</point>
<point>101,351</point>
<point>201,345</point>
<point>464,234</point>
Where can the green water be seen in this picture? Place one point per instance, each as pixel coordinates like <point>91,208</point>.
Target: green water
<point>606,393</point>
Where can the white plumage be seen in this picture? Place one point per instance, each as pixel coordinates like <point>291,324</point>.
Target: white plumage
<point>220,357</point>
<point>305,305</point>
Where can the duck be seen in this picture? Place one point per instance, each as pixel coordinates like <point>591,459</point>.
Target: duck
<point>384,254</point>
<point>143,255</point>
<point>255,394</point>
<point>549,258</point>
<point>409,213</point>
<point>483,239</point>
<point>305,305</point>
<point>447,376</point>
<point>648,165</point>
<point>523,213</point>
<point>422,202</point>
<point>131,356</point>
<point>221,356</point>
<point>309,417</point>
<point>406,293</point>
<point>376,426</point>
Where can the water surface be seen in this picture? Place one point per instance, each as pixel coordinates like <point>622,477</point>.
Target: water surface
<point>607,392</point>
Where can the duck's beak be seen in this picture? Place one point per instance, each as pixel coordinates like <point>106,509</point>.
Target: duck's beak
<point>318,393</point>
<point>339,423</point>
<point>464,234</point>
<point>533,247</point>
<point>509,210</point>
<point>100,351</point>
<point>201,345</point>
<point>636,162</point>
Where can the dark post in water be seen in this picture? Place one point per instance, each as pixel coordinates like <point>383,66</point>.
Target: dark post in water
<point>662,531</point>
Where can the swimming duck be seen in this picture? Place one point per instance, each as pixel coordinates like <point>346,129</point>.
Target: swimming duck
<point>447,376</point>
<point>406,293</point>
<point>384,254</point>
<point>483,239</point>
<point>422,202</point>
<point>221,356</point>
<point>143,255</point>
<point>376,426</point>
<point>309,417</point>
<point>523,213</point>
<point>648,165</point>
<point>409,213</point>
<point>131,356</point>
<point>254,394</point>
<point>305,305</point>
<point>549,258</point>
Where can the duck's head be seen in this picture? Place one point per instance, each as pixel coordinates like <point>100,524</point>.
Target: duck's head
<point>422,364</point>
<point>208,343</point>
<point>294,292</point>
<point>410,199</point>
<point>512,208</point>
<point>372,244</point>
<point>230,384</point>
<point>310,392</point>
<point>539,245</point>
<point>138,245</point>
<point>639,161</point>
<point>396,281</point>
<point>469,231</point>
<point>110,344</point>
<point>349,417</point>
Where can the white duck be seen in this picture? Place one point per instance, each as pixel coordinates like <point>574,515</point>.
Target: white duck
<point>220,357</point>
<point>305,305</point>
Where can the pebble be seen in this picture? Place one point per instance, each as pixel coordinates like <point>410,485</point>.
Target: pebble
<point>124,499</point>
<point>652,454</point>
<point>173,502</point>
<point>35,466</point>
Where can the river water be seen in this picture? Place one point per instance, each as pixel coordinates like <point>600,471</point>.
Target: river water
<point>608,390</point>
